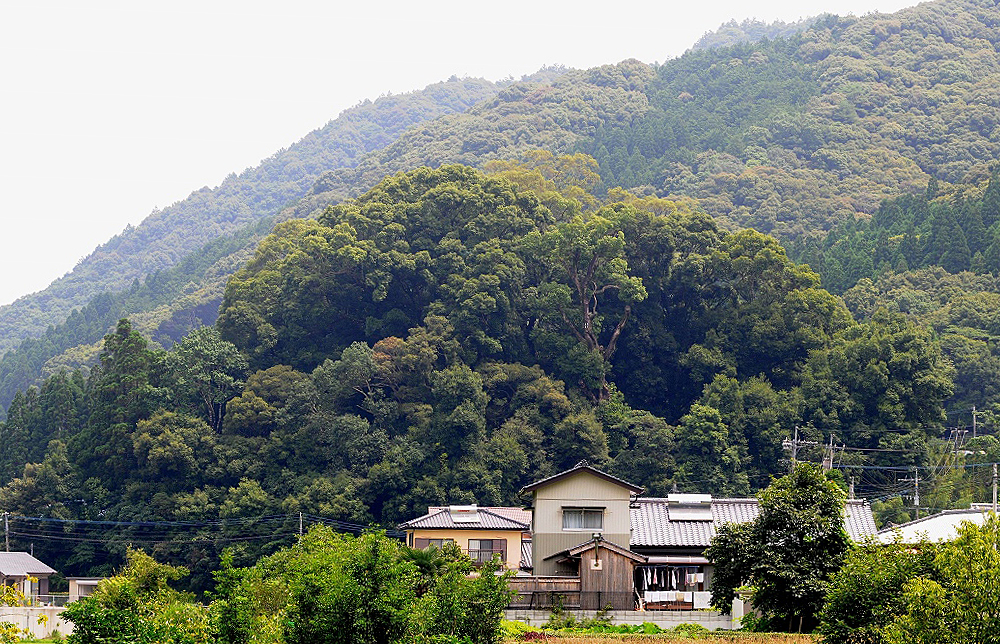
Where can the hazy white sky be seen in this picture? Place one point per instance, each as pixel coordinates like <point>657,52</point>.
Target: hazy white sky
<point>111,108</point>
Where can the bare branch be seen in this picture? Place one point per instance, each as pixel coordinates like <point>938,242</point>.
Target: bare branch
<point>609,351</point>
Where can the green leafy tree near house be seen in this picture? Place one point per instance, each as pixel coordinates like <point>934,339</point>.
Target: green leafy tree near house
<point>867,593</point>
<point>364,590</point>
<point>957,602</point>
<point>788,554</point>
<point>138,606</point>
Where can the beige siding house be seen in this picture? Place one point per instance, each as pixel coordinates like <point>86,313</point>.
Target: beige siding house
<point>482,533</point>
<point>570,508</point>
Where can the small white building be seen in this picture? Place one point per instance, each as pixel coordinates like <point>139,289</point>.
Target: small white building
<point>80,587</point>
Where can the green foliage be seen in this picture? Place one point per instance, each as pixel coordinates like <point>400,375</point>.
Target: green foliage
<point>751,30</point>
<point>911,232</point>
<point>137,605</point>
<point>867,594</point>
<point>347,590</point>
<point>788,553</point>
<point>364,589</point>
<point>177,232</point>
<point>957,601</point>
<point>466,608</point>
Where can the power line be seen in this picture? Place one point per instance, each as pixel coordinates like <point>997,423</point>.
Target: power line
<point>241,529</point>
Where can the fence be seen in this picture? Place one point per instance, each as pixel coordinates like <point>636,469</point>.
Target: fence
<point>56,599</point>
<point>599,600</point>
<point>573,600</point>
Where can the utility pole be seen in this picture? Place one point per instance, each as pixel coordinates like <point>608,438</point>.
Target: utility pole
<point>994,487</point>
<point>300,525</point>
<point>828,456</point>
<point>973,421</point>
<point>916,489</point>
<point>794,444</point>
<point>851,492</point>
<point>6,531</point>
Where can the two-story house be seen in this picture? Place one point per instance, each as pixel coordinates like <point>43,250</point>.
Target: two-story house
<point>481,532</point>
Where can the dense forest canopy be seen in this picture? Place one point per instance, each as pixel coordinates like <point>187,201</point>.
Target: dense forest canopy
<point>449,337</point>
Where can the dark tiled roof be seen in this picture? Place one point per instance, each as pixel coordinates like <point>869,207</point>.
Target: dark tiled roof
<point>21,564</point>
<point>442,519</point>
<point>652,527</point>
<point>582,467</point>
<point>514,514</point>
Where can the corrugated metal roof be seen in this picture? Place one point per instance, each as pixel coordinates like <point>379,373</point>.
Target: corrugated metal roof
<point>21,564</point>
<point>442,519</point>
<point>526,555</point>
<point>652,526</point>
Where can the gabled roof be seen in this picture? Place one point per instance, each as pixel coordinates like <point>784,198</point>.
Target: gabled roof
<point>607,545</point>
<point>21,564</point>
<point>942,526</point>
<point>653,527</point>
<point>576,551</point>
<point>442,519</point>
<point>583,467</point>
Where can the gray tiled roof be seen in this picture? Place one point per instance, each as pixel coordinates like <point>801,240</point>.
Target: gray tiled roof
<point>442,519</point>
<point>515,514</point>
<point>652,527</point>
<point>21,564</point>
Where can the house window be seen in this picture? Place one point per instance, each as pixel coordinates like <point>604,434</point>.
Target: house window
<point>482,550</point>
<point>583,518</point>
<point>421,543</point>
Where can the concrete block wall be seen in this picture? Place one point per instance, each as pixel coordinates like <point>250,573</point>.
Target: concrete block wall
<point>26,617</point>
<point>710,619</point>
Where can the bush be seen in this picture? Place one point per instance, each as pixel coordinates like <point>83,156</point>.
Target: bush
<point>338,589</point>
<point>866,594</point>
<point>515,630</point>
<point>137,606</point>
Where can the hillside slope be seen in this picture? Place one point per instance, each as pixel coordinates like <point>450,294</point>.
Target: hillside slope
<point>789,136</point>
<point>166,236</point>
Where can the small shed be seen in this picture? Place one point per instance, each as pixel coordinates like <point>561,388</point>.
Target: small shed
<point>606,572</point>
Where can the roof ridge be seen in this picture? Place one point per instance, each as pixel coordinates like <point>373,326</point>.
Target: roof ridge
<point>500,516</point>
<point>936,514</point>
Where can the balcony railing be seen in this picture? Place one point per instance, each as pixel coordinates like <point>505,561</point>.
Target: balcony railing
<point>54,599</point>
<point>483,556</point>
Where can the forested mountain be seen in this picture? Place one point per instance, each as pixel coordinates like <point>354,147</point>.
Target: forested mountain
<point>751,30</point>
<point>792,136</point>
<point>167,236</point>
